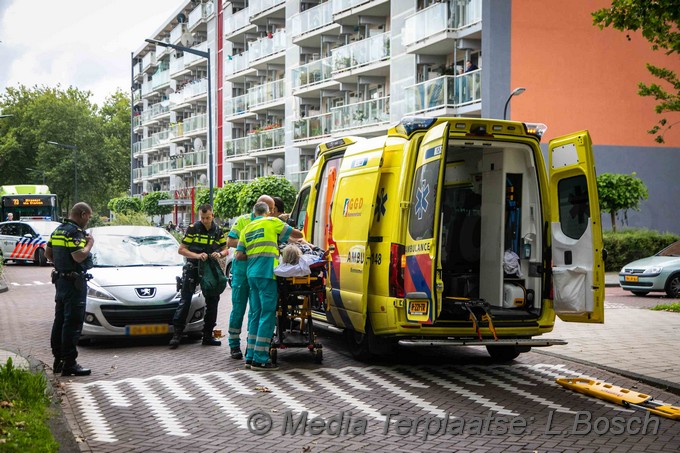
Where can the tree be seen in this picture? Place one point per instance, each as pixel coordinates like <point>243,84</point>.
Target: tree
<point>618,192</point>
<point>659,22</point>
<point>151,207</point>
<point>125,205</point>
<point>273,186</point>
<point>226,200</point>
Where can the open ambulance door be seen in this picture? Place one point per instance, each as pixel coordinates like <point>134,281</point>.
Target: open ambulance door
<point>577,247</point>
<point>422,272</point>
<point>350,222</point>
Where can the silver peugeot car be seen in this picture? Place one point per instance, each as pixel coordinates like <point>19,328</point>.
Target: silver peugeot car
<point>133,290</point>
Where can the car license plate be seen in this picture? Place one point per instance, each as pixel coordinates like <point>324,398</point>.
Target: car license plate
<point>631,278</point>
<point>417,308</point>
<point>147,329</point>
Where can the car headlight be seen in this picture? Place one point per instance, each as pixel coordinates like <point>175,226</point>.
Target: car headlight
<point>97,294</point>
<point>653,270</point>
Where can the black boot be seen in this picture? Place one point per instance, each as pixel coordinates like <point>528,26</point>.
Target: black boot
<point>209,340</point>
<point>176,338</point>
<point>75,369</point>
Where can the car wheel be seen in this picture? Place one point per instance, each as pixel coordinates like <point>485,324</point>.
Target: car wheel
<point>40,258</point>
<point>673,286</point>
<point>503,353</point>
<point>228,274</point>
<point>640,293</point>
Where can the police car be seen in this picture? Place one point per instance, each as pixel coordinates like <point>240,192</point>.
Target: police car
<point>25,240</point>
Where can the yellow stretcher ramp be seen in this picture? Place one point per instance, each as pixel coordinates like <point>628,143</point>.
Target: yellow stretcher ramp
<point>619,395</point>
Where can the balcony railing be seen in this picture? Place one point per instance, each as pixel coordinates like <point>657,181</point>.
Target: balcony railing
<point>258,6</point>
<point>148,59</point>
<point>190,57</point>
<point>160,78</point>
<point>312,19</point>
<point>312,127</point>
<point>266,46</point>
<point>176,65</point>
<point>439,18</point>
<point>266,93</point>
<point>155,111</point>
<point>137,95</point>
<point>194,159</point>
<point>236,105</point>
<point>176,33</point>
<point>343,5</point>
<point>136,147</point>
<point>359,53</point>
<point>195,123</point>
<point>148,143</point>
<point>361,114</point>
<point>188,91</point>
<point>444,92</point>
<point>260,141</point>
<point>147,87</point>
<point>199,13</point>
<point>162,136</point>
<point>237,63</point>
<point>236,21</point>
<point>312,73</point>
<point>137,121</point>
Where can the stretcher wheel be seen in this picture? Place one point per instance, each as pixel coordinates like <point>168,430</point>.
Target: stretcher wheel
<point>274,355</point>
<point>318,355</point>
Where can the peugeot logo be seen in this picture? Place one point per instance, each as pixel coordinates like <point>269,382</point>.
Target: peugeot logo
<point>146,293</point>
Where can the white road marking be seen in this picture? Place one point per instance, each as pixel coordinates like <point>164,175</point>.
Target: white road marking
<point>230,380</point>
<point>114,394</point>
<point>93,418</point>
<point>230,408</point>
<point>175,388</point>
<point>278,391</point>
<point>165,417</point>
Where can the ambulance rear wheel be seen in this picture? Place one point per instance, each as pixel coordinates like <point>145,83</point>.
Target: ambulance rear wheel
<point>358,343</point>
<point>503,353</point>
<point>318,355</point>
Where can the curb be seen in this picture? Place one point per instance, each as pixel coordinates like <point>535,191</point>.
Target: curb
<point>672,387</point>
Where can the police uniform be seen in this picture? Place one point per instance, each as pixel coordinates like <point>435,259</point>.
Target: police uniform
<point>198,240</point>
<point>259,241</point>
<point>239,287</point>
<point>69,278</point>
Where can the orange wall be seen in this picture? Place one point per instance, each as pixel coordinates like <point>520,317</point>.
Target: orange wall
<point>580,77</point>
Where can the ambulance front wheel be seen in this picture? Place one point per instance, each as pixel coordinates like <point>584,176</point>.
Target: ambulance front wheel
<point>505,353</point>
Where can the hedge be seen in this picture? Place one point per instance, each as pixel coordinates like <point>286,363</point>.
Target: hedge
<point>629,245</point>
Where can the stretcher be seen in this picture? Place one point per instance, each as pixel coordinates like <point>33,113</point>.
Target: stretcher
<point>621,396</point>
<point>298,296</point>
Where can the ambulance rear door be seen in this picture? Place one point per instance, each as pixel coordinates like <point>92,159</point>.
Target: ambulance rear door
<point>576,230</point>
<point>350,222</point>
<point>422,276</point>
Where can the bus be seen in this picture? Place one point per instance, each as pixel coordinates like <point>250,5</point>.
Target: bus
<point>28,202</point>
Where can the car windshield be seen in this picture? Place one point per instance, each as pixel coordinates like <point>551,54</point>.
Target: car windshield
<point>116,250</point>
<point>671,250</point>
<point>44,228</point>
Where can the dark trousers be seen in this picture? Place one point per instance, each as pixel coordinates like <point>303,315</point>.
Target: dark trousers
<point>179,320</point>
<point>69,314</point>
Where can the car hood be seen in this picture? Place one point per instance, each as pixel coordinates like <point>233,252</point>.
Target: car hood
<point>654,261</point>
<point>135,276</point>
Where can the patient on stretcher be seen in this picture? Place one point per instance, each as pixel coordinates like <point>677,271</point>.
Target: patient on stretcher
<point>298,260</point>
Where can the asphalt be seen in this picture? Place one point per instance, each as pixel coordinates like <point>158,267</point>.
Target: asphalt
<point>636,343</point>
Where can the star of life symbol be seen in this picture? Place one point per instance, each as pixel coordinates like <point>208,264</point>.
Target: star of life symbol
<point>421,199</point>
<point>380,202</point>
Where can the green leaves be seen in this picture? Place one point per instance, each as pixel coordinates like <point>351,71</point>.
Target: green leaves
<point>274,186</point>
<point>619,192</point>
<point>125,205</point>
<point>226,200</point>
<point>151,207</point>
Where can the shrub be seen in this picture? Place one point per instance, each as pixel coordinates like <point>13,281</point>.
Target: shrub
<point>273,186</point>
<point>629,245</point>
<point>131,218</point>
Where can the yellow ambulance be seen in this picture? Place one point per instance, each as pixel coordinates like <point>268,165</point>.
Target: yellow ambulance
<point>454,231</point>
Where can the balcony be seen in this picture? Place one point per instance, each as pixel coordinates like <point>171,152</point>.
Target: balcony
<point>160,78</point>
<point>201,12</point>
<point>267,94</point>
<point>137,121</point>
<point>361,53</point>
<point>193,159</point>
<point>313,73</point>
<point>235,64</point>
<point>312,127</point>
<point>176,66</point>
<point>155,111</point>
<point>191,90</point>
<point>147,88</point>
<point>148,60</point>
<point>445,92</point>
<point>236,106</point>
<point>265,47</point>
<point>259,143</point>
<point>176,33</point>
<point>312,19</point>
<point>236,24</point>
<point>433,29</point>
<point>374,112</point>
<point>148,143</point>
<point>136,148</point>
<point>195,123</point>
<point>346,8</point>
<point>259,6</point>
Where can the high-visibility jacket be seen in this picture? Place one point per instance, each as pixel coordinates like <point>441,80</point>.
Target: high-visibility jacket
<point>200,240</point>
<point>66,239</point>
<point>238,268</point>
<point>259,241</point>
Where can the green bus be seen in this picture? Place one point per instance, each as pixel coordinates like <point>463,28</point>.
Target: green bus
<point>28,202</point>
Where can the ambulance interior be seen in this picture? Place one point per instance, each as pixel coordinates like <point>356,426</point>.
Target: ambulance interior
<point>491,230</point>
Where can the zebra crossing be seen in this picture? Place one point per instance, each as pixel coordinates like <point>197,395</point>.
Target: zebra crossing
<point>161,402</point>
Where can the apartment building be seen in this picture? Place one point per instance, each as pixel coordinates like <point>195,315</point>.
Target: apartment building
<point>288,75</point>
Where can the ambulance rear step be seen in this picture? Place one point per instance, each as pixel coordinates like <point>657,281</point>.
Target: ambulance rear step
<point>485,342</point>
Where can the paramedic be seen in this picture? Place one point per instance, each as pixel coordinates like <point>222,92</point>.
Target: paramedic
<point>202,241</point>
<point>239,282</point>
<point>258,244</point>
<point>69,249</point>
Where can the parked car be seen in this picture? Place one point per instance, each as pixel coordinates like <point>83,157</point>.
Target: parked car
<point>25,240</point>
<point>133,290</point>
<point>660,272</point>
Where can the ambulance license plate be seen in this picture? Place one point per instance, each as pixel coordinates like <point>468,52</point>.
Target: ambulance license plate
<point>417,307</point>
<point>631,278</point>
<point>147,329</point>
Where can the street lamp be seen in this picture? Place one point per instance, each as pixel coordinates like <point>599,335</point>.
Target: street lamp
<point>75,166</point>
<point>515,92</point>
<point>205,55</point>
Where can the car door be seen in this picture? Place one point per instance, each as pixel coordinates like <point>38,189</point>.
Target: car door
<point>7,241</point>
<point>576,230</point>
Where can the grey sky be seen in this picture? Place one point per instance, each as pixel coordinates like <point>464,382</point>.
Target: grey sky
<point>80,43</point>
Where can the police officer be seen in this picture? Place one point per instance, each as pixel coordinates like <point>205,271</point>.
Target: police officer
<point>258,244</point>
<point>240,289</point>
<point>69,249</point>
<point>202,241</point>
